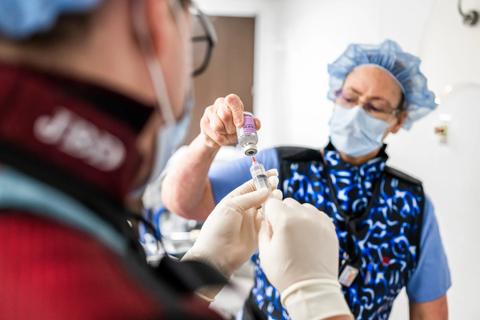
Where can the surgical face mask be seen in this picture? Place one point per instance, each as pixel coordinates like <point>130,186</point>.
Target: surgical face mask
<point>355,132</point>
<point>171,134</point>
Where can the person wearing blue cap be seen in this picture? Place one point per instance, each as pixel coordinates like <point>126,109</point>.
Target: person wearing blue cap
<point>94,99</point>
<point>386,225</point>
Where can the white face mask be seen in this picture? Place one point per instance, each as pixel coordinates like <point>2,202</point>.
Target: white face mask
<point>173,133</point>
<point>354,132</point>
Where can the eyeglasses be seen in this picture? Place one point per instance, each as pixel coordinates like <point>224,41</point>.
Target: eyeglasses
<point>204,36</point>
<point>349,99</point>
<point>204,40</point>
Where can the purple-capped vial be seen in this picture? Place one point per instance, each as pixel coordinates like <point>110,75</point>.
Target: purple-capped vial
<point>247,135</point>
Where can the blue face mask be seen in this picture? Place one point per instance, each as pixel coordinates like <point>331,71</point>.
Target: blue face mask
<point>355,132</point>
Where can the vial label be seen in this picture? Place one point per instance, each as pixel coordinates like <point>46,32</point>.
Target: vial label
<point>249,124</point>
<point>247,135</point>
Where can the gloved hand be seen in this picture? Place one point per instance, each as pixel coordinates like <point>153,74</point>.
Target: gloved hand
<point>229,236</point>
<point>298,250</point>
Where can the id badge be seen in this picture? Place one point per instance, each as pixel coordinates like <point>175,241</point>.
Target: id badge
<point>348,275</point>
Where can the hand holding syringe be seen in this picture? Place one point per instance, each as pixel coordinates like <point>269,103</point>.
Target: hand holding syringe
<point>259,175</point>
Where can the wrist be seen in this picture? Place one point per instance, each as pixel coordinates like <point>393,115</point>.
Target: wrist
<point>315,299</point>
<point>210,292</point>
<point>206,143</point>
<point>215,261</point>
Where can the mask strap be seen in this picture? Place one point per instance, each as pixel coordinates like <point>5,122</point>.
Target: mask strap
<point>153,65</point>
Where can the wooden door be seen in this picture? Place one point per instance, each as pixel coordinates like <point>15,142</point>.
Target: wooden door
<point>230,69</point>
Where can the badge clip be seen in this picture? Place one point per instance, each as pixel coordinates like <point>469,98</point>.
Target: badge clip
<point>348,275</point>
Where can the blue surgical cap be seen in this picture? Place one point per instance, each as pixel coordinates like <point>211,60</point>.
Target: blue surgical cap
<point>20,19</point>
<point>404,67</point>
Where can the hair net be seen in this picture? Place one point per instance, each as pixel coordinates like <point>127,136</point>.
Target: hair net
<point>404,67</point>
<point>20,19</point>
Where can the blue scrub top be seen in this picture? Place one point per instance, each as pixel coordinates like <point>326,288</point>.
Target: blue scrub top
<point>431,279</point>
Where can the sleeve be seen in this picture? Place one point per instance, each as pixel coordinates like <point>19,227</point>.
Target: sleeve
<point>431,279</point>
<point>224,177</point>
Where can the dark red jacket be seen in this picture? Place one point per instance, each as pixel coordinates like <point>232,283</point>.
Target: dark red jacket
<point>49,270</point>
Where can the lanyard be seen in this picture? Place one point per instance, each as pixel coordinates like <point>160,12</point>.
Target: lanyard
<point>350,265</point>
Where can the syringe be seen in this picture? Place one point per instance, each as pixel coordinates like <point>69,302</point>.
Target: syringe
<point>259,176</point>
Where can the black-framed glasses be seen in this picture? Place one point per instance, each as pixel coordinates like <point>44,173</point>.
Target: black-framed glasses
<point>204,40</point>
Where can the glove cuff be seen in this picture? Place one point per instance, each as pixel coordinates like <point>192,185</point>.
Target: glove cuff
<point>315,299</point>
<point>208,293</point>
<point>204,256</point>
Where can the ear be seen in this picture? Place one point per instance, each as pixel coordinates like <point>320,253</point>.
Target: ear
<point>401,118</point>
<point>157,14</point>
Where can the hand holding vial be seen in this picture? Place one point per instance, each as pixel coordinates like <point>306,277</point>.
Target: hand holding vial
<point>220,121</point>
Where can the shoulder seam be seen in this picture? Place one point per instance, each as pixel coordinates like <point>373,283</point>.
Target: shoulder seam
<point>285,152</point>
<point>402,175</point>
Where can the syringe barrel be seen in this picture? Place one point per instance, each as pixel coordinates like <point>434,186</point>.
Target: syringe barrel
<point>259,176</point>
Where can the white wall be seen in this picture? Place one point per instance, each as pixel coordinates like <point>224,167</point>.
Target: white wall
<point>297,39</point>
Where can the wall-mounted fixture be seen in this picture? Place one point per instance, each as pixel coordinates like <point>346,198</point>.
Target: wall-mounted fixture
<point>470,18</point>
<point>441,128</point>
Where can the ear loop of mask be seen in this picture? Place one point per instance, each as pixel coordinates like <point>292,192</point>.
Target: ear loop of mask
<point>155,71</point>
<point>153,65</point>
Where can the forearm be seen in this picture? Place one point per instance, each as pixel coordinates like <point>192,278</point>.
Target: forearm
<point>186,189</point>
<point>436,309</point>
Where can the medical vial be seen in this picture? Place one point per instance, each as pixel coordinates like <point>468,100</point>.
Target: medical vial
<point>247,135</point>
<point>259,176</point>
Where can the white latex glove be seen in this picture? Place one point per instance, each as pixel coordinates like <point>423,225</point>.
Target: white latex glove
<point>229,236</point>
<point>298,250</point>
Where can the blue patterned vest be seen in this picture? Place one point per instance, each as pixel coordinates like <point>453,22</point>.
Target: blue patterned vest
<point>378,214</point>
